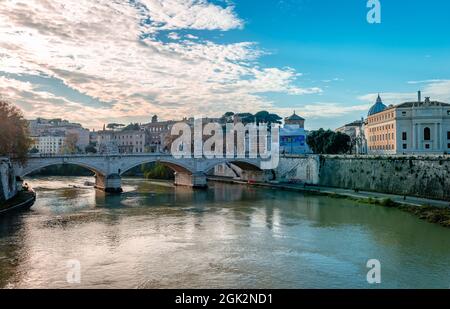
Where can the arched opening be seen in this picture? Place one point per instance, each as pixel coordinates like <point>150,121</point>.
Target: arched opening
<point>59,176</point>
<point>239,170</point>
<point>154,169</point>
<point>66,169</point>
<point>427,134</point>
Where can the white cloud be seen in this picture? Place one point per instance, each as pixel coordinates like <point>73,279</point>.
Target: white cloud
<point>173,36</point>
<point>190,14</point>
<point>436,89</point>
<point>106,50</point>
<point>325,110</point>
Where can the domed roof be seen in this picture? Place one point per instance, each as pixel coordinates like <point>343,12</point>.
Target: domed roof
<point>378,107</point>
<point>295,117</point>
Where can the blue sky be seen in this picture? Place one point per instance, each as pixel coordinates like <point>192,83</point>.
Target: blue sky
<point>96,62</point>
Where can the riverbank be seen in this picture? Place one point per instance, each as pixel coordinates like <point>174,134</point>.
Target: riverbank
<point>23,200</point>
<point>433,211</point>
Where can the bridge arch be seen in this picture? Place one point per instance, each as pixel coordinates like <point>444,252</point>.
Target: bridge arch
<point>177,167</point>
<point>30,168</point>
<point>244,164</point>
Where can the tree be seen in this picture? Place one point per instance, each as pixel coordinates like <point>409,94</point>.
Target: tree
<point>328,142</point>
<point>157,171</point>
<point>113,126</point>
<point>266,117</point>
<point>14,137</point>
<point>70,143</point>
<point>90,149</point>
<point>132,127</point>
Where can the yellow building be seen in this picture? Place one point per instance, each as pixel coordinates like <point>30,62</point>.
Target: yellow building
<point>421,127</point>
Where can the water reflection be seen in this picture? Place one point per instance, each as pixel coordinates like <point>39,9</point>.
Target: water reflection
<point>159,236</point>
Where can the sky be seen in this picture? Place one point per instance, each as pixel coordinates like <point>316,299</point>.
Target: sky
<point>103,61</point>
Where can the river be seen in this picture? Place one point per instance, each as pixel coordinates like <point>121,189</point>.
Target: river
<point>229,236</point>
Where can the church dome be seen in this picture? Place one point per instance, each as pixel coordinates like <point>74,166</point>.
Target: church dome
<point>378,107</point>
<point>294,117</point>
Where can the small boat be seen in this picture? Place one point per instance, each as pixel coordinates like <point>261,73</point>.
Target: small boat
<point>22,201</point>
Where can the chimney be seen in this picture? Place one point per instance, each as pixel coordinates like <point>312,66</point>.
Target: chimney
<point>419,96</point>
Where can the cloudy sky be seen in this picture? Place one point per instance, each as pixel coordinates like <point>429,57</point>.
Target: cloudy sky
<point>101,61</point>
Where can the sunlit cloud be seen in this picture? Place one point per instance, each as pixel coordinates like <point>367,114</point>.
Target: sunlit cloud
<point>111,52</point>
<point>436,89</point>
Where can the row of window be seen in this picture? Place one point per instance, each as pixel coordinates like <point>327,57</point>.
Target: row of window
<point>158,129</point>
<point>382,137</point>
<point>382,117</point>
<point>126,136</point>
<point>131,143</point>
<point>426,135</point>
<point>384,127</point>
<point>382,147</point>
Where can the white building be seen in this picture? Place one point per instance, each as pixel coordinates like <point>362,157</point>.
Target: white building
<point>420,127</point>
<point>48,127</point>
<point>357,135</point>
<point>49,144</point>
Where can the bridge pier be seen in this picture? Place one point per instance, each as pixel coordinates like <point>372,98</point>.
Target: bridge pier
<point>196,180</point>
<point>110,183</point>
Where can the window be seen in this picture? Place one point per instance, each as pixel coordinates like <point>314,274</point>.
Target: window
<point>448,135</point>
<point>448,146</point>
<point>427,134</point>
<point>405,146</point>
<point>404,136</point>
<point>427,146</point>
<point>404,113</point>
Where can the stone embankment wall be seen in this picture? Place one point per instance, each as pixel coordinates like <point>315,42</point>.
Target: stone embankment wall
<point>422,176</point>
<point>404,175</point>
<point>303,169</point>
<point>8,187</point>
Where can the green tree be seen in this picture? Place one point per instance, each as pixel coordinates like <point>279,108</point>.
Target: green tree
<point>132,127</point>
<point>113,126</point>
<point>90,149</point>
<point>157,171</point>
<point>14,137</point>
<point>328,142</point>
<point>266,117</point>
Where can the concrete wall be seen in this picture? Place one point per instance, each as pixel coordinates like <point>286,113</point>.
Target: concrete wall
<point>304,169</point>
<point>8,187</point>
<point>417,176</point>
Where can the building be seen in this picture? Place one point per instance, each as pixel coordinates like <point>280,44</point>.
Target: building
<point>293,136</point>
<point>57,127</point>
<point>106,142</point>
<point>156,133</point>
<point>124,142</point>
<point>420,127</point>
<point>49,144</point>
<point>133,141</point>
<point>356,132</point>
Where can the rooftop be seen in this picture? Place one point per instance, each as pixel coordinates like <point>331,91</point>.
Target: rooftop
<point>295,117</point>
<point>378,107</point>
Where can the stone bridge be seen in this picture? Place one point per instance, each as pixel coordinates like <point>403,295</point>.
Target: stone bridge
<point>109,169</point>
